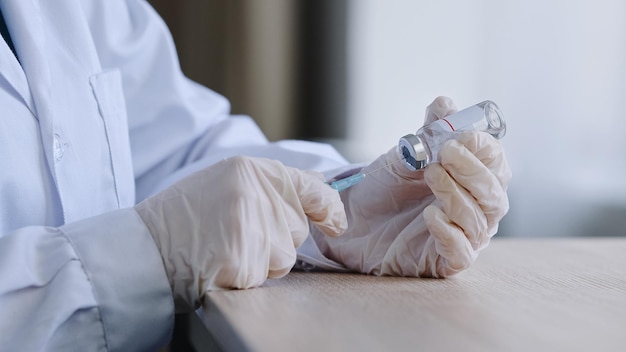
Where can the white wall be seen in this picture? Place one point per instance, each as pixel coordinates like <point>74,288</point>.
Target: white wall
<point>557,69</point>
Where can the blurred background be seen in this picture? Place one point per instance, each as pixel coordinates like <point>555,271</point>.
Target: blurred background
<point>358,74</point>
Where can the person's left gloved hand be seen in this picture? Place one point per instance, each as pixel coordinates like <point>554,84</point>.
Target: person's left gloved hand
<point>427,223</point>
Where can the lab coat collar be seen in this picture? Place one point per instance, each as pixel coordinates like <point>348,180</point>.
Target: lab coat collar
<point>23,19</point>
<point>11,70</point>
<point>12,73</point>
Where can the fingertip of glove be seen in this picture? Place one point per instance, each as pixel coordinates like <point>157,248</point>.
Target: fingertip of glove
<point>437,223</point>
<point>431,213</point>
<point>488,150</point>
<point>441,106</point>
<point>336,226</point>
<point>443,102</point>
<point>327,212</point>
<point>434,174</point>
<point>341,223</point>
<point>457,154</point>
<point>477,140</point>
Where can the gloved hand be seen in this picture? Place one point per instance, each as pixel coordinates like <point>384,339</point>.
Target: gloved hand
<point>237,223</point>
<point>428,223</point>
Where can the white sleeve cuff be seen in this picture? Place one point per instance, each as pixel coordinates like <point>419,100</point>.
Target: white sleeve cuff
<point>128,278</point>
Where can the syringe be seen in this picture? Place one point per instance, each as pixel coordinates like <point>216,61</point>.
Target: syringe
<point>352,180</point>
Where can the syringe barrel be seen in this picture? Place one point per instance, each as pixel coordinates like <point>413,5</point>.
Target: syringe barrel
<point>347,182</point>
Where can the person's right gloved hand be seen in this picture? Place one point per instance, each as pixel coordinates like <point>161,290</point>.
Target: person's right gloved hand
<point>425,223</point>
<point>237,223</point>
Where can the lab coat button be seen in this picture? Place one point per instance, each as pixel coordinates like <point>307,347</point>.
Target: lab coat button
<point>59,148</point>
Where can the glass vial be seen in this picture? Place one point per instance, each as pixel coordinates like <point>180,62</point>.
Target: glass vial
<point>422,148</point>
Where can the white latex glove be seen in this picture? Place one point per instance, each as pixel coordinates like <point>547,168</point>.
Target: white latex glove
<point>237,223</point>
<point>428,223</point>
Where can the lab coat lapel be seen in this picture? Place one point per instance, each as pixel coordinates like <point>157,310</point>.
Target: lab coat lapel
<point>23,18</point>
<point>13,75</point>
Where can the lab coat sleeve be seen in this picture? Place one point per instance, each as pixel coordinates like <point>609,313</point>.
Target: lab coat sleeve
<point>176,125</point>
<point>94,285</point>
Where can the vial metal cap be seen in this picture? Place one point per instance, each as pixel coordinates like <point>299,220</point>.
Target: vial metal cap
<point>413,152</point>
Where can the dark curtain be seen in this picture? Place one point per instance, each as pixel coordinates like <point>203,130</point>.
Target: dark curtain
<point>283,62</point>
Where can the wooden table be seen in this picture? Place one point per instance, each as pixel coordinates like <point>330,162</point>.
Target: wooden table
<point>521,295</point>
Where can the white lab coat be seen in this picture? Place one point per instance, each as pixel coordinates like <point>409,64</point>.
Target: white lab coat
<point>95,116</point>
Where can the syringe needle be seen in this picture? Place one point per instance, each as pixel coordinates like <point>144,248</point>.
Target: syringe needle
<point>382,167</point>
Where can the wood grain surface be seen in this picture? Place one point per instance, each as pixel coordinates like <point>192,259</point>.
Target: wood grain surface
<point>566,294</point>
